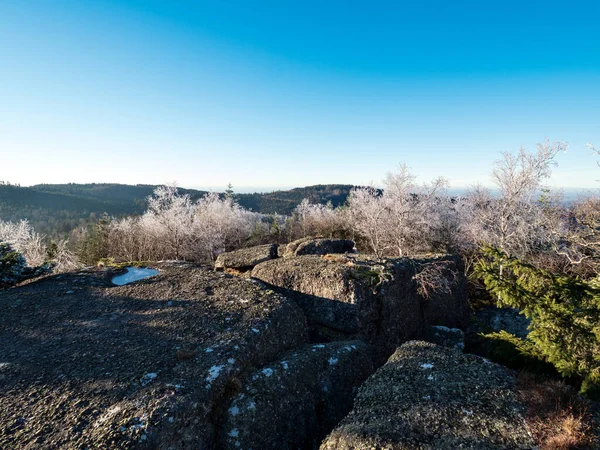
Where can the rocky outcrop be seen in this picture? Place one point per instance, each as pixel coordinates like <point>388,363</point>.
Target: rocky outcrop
<point>432,397</point>
<point>193,358</point>
<point>317,246</point>
<point>295,401</point>
<point>379,302</point>
<point>146,365</point>
<point>246,258</point>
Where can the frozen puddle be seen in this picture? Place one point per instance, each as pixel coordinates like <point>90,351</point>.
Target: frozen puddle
<point>134,274</point>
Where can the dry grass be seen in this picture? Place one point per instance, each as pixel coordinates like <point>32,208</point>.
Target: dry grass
<point>341,259</point>
<point>558,418</point>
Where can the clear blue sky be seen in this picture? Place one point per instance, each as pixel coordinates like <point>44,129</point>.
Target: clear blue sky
<point>293,93</point>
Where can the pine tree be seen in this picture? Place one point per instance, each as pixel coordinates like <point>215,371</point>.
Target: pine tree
<point>229,191</point>
<point>564,313</point>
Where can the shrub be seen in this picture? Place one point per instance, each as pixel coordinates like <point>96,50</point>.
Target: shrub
<point>12,264</point>
<point>564,313</point>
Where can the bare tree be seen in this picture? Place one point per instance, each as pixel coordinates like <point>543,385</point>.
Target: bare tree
<point>174,227</point>
<point>319,219</point>
<point>406,218</point>
<point>23,238</point>
<point>514,221</point>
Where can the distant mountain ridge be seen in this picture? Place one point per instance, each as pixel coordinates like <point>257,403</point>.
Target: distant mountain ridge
<point>56,209</point>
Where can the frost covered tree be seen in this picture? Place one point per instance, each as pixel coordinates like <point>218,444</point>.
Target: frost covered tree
<point>175,227</point>
<point>319,219</point>
<point>22,237</point>
<point>514,222</point>
<point>169,220</point>
<point>220,225</point>
<point>405,218</point>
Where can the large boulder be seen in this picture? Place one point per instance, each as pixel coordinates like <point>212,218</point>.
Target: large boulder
<point>152,364</point>
<point>379,302</point>
<point>295,401</point>
<point>246,258</point>
<point>317,246</point>
<point>433,397</point>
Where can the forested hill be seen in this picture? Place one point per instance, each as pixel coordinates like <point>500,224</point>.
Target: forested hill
<point>284,202</point>
<point>56,209</point>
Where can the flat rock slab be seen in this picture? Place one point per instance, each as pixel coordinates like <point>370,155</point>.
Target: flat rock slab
<point>295,401</point>
<point>432,397</point>
<point>375,301</point>
<point>152,364</point>
<point>246,258</point>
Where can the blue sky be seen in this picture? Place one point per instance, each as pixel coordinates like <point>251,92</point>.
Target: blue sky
<point>282,94</point>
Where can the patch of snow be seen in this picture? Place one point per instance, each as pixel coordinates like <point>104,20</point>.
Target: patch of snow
<point>234,410</point>
<point>134,274</point>
<point>251,405</point>
<point>231,361</point>
<point>234,433</point>
<point>208,350</point>
<point>284,364</point>
<point>213,373</point>
<point>267,372</point>
<point>319,346</point>
<point>430,377</point>
<point>332,361</point>
<point>148,378</point>
<point>426,366</point>
<point>255,330</point>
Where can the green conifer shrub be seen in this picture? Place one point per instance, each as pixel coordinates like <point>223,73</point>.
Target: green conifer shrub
<point>564,313</point>
<point>12,264</point>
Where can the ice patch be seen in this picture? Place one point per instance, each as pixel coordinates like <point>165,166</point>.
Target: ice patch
<point>251,405</point>
<point>234,433</point>
<point>234,410</point>
<point>430,377</point>
<point>231,361</point>
<point>148,378</point>
<point>208,350</point>
<point>426,366</point>
<point>255,330</point>
<point>134,274</point>
<point>267,372</point>
<point>284,364</point>
<point>213,373</point>
<point>332,361</point>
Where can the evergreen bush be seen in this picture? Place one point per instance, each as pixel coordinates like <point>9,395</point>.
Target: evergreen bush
<point>564,313</point>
